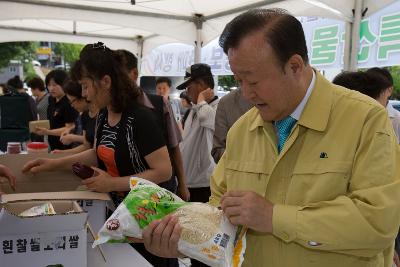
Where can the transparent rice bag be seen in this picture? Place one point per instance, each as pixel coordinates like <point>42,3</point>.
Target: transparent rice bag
<point>207,235</point>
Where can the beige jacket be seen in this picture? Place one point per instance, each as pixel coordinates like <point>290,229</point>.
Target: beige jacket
<point>335,185</point>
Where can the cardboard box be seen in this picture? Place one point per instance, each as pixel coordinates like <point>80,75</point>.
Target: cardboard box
<point>117,255</point>
<point>114,255</point>
<point>61,185</point>
<point>53,244</point>
<point>39,123</point>
<point>46,240</point>
<point>91,202</point>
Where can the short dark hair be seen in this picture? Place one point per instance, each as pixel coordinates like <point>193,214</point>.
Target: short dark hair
<point>36,83</point>
<point>15,83</point>
<point>354,80</point>
<point>384,72</point>
<point>96,61</point>
<point>282,31</point>
<point>164,80</point>
<point>58,76</point>
<point>371,84</point>
<point>128,59</point>
<point>73,88</point>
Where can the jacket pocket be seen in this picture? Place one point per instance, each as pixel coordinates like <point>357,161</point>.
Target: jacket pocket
<point>317,258</point>
<point>314,182</point>
<point>247,176</point>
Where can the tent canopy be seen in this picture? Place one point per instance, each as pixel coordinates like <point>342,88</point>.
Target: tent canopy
<point>121,24</point>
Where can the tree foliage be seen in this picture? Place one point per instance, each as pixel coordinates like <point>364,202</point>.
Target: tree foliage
<point>70,52</point>
<point>29,72</point>
<point>24,51</point>
<point>395,71</point>
<point>227,81</point>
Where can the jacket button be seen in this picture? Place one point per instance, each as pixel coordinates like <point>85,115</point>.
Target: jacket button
<point>313,243</point>
<point>285,236</point>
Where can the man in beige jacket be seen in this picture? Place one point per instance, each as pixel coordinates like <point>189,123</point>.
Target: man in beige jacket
<point>312,170</point>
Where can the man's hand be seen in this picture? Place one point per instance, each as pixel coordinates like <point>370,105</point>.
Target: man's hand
<point>206,95</point>
<point>161,237</point>
<point>249,209</point>
<point>102,182</point>
<point>6,172</point>
<point>41,131</point>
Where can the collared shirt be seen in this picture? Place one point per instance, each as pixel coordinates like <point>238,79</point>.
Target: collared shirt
<point>230,108</point>
<point>335,185</point>
<point>197,144</point>
<point>299,109</point>
<point>392,112</point>
<point>176,108</point>
<point>394,116</point>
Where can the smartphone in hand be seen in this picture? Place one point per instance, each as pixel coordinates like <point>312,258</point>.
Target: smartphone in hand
<point>82,171</point>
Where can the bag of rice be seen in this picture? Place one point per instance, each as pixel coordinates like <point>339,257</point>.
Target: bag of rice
<point>207,235</point>
<point>44,209</point>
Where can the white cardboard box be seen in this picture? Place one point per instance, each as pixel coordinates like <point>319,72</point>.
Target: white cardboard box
<point>39,123</point>
<point>40,241</point>
<point>91,202</point>
<point>61,184</point>
<point>117,255</point>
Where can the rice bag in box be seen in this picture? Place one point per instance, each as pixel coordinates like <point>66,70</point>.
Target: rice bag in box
<point>207,235</point>
<point>44,209</point>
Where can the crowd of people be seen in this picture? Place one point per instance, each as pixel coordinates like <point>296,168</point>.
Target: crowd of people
<point>310,167</point>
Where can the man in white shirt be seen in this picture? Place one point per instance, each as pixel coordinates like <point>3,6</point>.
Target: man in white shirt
<point>199,130</point>
<point>198,134</point>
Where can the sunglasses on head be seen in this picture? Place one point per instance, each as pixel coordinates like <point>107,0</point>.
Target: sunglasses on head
<point>100,45</point>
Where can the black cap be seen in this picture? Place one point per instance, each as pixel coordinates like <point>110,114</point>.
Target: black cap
<point>193,72</point>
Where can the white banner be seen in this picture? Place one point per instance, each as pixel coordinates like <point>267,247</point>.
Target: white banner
<point>168,60</point>
<point>379,46</point>
<point>213,55</point>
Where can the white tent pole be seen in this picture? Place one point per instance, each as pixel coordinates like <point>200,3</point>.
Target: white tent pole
<point>355,35</point>
<point>347,46</point>
<point>74,28</point>
<point>198,20</point>
<point>197,48</point>
<point>139,42</point>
